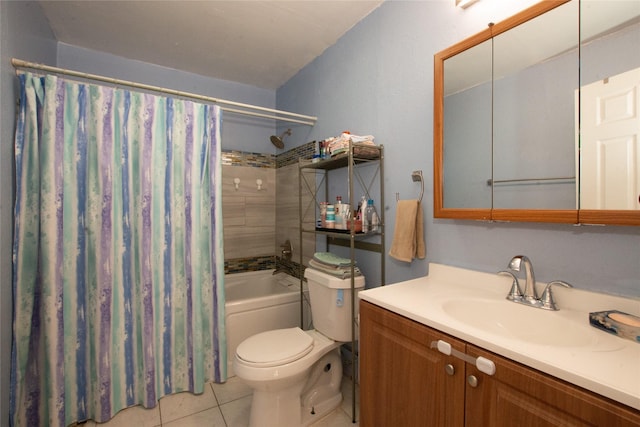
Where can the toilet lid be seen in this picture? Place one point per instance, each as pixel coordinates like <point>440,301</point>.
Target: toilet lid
<point>275,347</point>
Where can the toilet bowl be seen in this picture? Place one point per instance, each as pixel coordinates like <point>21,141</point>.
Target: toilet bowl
<point>278,387</point>
<point>296,375</point>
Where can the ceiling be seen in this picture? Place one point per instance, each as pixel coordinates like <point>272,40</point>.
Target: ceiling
<point>259,43</point>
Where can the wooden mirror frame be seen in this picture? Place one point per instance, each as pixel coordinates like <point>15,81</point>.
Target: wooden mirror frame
<point>583,216</point>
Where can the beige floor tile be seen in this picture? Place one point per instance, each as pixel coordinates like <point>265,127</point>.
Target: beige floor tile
<point>182,404</point>
<point>233,389</point>
<point>134,416</point>
<point>236,413</point>
<point>190,410</point>
<point>337,418</point>
<point>347,396</point>
<point>207,418</point>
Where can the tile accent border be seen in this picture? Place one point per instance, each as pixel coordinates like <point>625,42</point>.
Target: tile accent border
<point>242,265</point>
<point>304,151</point>
<point>243,158</point>
<point>261,160</point>
<point>292,268</point>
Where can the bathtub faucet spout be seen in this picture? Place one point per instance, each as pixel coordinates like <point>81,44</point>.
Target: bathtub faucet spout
<point>283,267</point>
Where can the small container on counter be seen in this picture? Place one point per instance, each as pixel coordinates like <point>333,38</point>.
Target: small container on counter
<point>338,209</point>
<point>371,216</point>
<point>323,214</point>
<point>345,215</point>
<point>330,221</point>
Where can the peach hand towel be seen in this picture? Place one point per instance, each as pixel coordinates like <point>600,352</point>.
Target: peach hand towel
<point>408,235</point>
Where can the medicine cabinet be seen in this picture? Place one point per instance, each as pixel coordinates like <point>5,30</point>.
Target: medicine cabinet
<point>515,111</point>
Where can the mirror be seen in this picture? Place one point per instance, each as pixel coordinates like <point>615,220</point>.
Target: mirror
<point>609,106</point>
<point>534,81</point>
<point>467,117</point>
<point>529,170</point>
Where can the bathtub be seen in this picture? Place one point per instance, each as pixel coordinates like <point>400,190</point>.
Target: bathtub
<point>259,301</point>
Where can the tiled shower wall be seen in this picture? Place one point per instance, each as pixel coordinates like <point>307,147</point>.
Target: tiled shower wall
<point>248,214</point>
<point>287,218</point>
<point>257,222</point>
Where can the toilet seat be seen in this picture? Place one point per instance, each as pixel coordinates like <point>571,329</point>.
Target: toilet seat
<point>276,347</point>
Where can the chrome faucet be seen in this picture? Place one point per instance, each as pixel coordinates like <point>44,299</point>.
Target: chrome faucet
<point>282,266</point>
<point>547,296</point>
<point>530,296</point>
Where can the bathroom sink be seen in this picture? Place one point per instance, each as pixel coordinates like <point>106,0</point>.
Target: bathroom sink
<point>516,321</point>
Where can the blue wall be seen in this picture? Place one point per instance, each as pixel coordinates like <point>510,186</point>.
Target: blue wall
<point>378,79</point>
<point>239,132</point>
<point>25,34</point>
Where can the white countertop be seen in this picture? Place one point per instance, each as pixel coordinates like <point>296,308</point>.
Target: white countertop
<point>609,366</point>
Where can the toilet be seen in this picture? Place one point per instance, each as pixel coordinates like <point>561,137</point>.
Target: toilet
<point>296,375</point>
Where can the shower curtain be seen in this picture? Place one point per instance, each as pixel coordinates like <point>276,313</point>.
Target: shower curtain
<point>117,257</point>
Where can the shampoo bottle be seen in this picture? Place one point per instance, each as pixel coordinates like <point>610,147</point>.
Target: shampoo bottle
<point>372,217</point>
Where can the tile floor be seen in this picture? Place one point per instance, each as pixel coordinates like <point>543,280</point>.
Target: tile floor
<point>221,405</point>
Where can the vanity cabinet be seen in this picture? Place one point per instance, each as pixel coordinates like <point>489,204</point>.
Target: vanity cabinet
<point>403,381</point>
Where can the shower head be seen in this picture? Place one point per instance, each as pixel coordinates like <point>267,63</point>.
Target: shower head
<point>278,140</point>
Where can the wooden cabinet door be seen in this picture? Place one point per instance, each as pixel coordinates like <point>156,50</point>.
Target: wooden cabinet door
<point>403,382</point>
<point>520,396</point>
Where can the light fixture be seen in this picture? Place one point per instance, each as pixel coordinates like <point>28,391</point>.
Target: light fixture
<point>465,3</point>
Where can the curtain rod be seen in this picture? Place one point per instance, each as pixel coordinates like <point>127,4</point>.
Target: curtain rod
<point>274,114</point>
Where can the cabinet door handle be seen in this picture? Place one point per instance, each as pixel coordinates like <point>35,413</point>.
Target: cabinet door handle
<point>483,364</point>
<point>473,381</point>
<point>449,369</point>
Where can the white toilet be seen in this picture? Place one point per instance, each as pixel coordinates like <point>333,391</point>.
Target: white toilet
<point>295,375</point>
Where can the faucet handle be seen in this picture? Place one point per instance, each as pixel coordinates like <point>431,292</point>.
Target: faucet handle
<point>515,294</point>
<point>547,296</point>
<point>287,250</point>
<point>286,244</point>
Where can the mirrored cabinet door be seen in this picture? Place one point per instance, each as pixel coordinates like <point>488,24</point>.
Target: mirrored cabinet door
<point>534,127</point>
<point>467,128</point>
<point>609,105</point>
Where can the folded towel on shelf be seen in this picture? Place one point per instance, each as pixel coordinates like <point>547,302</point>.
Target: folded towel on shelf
<point>340,144</point>
<point>340,272</point>
<point>408,235</point>
<point>331,259</point>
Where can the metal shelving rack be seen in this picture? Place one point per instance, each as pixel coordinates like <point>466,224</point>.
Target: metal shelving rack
<point>357,157</point>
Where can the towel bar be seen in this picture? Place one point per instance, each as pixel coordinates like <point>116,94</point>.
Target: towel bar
<point>503,181</point>
<point>415,176</point>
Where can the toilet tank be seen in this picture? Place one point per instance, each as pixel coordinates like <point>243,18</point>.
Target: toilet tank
<point>331,303</point>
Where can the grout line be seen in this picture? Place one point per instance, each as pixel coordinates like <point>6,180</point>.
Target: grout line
<point>197,412</point>
<point>213,390</point>
<point>224,420</point>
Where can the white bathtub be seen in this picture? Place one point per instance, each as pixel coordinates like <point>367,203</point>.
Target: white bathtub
<point>259,301</point>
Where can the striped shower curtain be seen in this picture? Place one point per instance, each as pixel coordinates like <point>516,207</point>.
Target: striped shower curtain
<point>117,258</point>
